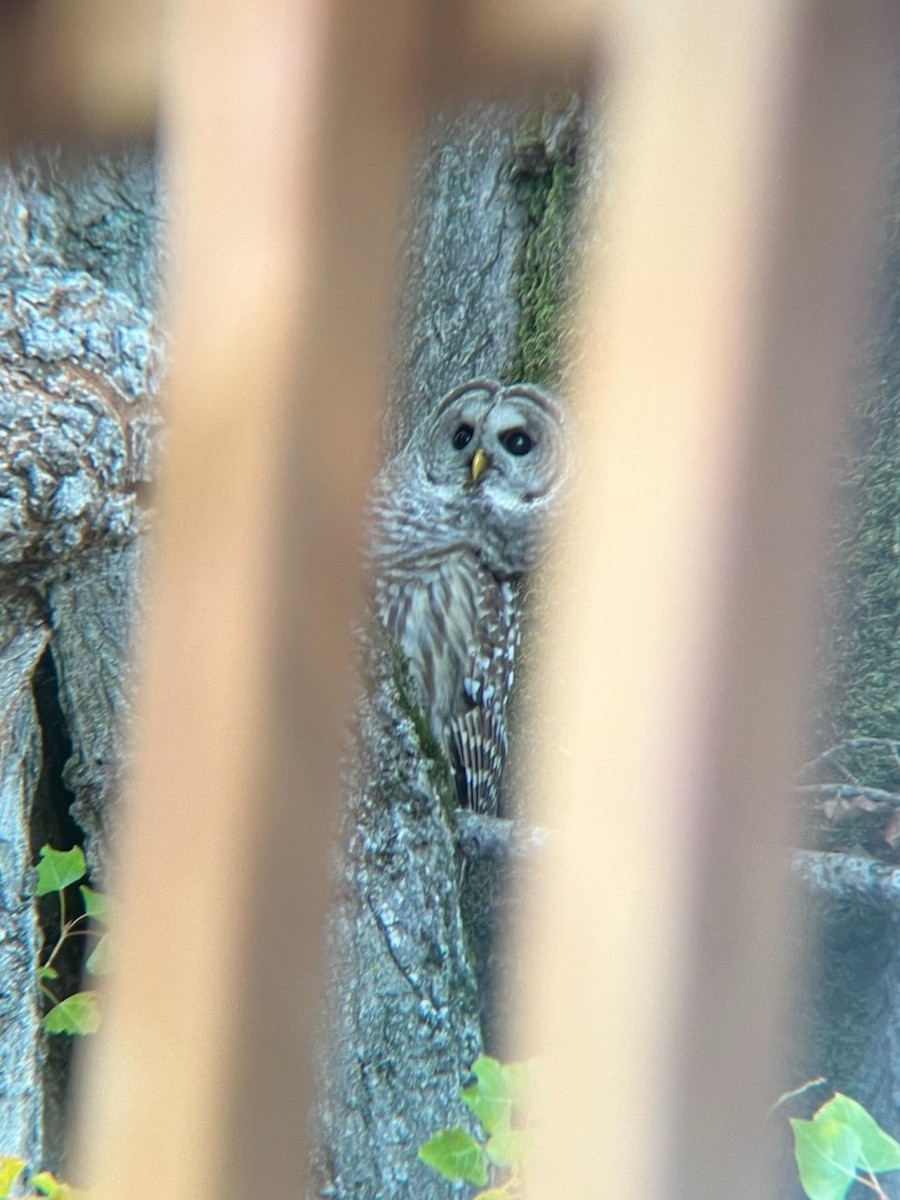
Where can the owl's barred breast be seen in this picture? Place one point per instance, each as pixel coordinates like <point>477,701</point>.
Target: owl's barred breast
<point>458,518</point>
<point>443,621</point>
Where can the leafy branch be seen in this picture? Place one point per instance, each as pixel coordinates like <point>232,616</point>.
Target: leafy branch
<point>58,871</point>
<point>498,1098</point>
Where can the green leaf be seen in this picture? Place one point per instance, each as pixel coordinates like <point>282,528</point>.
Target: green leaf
<point>878,1150</point>
<point>99,961</point>
<point>56,869</point>
<point>490,1099</point>
<point>827,1153</point>
<point>96,904</point>
<point>10,1170</point>
<point>455,1154</point>
<point>77,1014</point>
<point>47,973</point>
<point>45,1182</point>
<point>506,1147</point>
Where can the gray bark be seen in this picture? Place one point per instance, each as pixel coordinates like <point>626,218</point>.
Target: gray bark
<point>497,839</point>
<point>92,613</point>
<point>877,1074</point>
<point>851,989</point>
<point>458,312</point>
<point>79,374</point>
<point>853,979</point>
<point>99,214</point>
<point>23,637</point>
<point>402,996</point>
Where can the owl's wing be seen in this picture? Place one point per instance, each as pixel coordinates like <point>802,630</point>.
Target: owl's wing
<point>478,734</point>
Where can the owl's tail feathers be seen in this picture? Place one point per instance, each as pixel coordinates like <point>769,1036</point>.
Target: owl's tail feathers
<point>478,752</point>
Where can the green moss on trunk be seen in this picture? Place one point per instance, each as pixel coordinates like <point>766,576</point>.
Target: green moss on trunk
<point>546,170</point>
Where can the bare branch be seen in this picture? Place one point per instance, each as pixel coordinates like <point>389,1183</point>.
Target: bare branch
<point>849,877</point>
<point>484,838</point>
<point>849,791</point>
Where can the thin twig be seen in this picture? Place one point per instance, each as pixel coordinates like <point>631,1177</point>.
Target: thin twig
<point>819,1081</point>
<point>869,1180</point>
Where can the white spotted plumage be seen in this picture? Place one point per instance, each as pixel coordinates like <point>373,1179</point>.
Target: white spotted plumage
<point>458,520</point>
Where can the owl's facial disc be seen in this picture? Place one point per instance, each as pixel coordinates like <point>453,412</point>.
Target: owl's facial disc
<point>502,443</point>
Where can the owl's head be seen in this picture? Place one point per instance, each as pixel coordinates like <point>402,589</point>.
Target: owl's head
<point>503,451</point>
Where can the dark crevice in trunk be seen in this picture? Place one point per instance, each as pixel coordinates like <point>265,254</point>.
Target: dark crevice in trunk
<point>53,824</point>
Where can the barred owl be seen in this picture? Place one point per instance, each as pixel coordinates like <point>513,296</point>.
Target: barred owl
<point>459,519</point>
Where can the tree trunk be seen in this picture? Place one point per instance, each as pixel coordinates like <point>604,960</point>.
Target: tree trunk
<point>402,1004</point>
<point>459,310</point>
<point>23,638</point>
<point>79,366</point>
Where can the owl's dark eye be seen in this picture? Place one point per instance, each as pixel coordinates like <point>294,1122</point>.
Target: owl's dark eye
<point>462,437</point>
<point>516,441</point>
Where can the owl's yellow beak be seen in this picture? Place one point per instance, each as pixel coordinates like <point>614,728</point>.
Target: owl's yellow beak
<point>478,464</point>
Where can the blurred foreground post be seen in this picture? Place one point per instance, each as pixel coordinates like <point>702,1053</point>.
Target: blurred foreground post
<point>79,68</point>
<point>285,128</point>
<point>717,336</point>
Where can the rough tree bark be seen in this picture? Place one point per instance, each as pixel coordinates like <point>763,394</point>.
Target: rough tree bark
<point>403,1012</point>
<point>79,365</point>
<point>459,314</point>
<point>22,642</point>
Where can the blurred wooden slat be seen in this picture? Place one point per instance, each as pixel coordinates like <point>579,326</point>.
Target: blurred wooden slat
<point>91,68</point>
<point>747,139</point>
<point>528,41</point>
<point>76,68</point>
<point>286,128</point>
